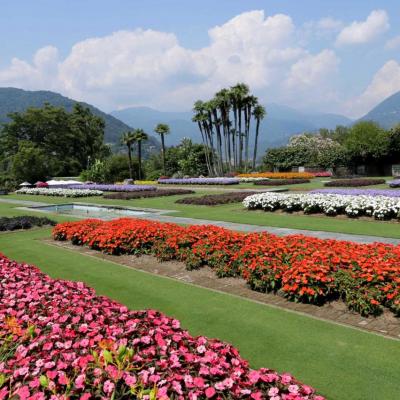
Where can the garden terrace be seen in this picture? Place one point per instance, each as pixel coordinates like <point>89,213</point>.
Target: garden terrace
<point>366,277</point>
<point>354,182</point>
<point>23,222</point>
<point>66,336</point>
<point>147,194</point>
<point>216,199</point>
<point>280,182</point>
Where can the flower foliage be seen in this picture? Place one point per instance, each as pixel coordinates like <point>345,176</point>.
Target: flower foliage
<point>58,340</point>
<point>354,182</point>
<point>305,269</point>
<point>379,207</point>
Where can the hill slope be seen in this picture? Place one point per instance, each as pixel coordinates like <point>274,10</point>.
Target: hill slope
<point>18,100</point>
<point>280,123</point>
<point>386,113</point>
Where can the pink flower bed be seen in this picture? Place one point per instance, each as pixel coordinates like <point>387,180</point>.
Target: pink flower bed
<point>58,340</point>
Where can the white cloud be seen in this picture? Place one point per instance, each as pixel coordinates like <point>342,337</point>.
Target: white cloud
<point>393,43</point>
<point>359,32</point>
<point>329,24</point>
<point>147,67</point>
<point>384,83</point>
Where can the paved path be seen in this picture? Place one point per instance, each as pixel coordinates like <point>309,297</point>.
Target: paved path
<point>159,215</point>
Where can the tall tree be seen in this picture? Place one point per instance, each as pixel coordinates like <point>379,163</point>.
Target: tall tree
<point>127,139</point>
<point>259,114</point>
<point>162,130</point>
<point>140,136</point>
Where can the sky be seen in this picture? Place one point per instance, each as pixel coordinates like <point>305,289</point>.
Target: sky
<point>337,56</point>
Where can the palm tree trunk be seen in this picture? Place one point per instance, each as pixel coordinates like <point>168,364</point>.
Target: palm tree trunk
<point>163,153</point>
<point>256,144</point>
<point>130,161</point>
<point>140,159</point>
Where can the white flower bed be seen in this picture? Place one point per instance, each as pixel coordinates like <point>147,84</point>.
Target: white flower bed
<point>60,192</point>
<point>379,207</point>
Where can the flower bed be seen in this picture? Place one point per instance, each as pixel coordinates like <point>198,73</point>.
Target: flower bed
<point>278,175</point>
<point>354,182</point>
<point>114,188</point>
<point>23,222</point>
<point>322,174</point>
<point>379,207</point>
<point>280,182</point>
<point>145,182</point>
<point>59,340</point>
<point>359,192</point>
<point>305,269</point>
<point>147,194</point>
<point>199,181</point>
<point>216,199</point>
<point>395,183</point>
<point>61,192</point>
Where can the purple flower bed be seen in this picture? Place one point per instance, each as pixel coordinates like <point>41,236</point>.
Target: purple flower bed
<point>395,183</point>
<point>115,188</point>
<point>200,181</point>
<point>360,192</point>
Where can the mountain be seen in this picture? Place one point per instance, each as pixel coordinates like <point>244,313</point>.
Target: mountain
<point>281,123</point>
<point>18,100</point>
<point>386,113</point>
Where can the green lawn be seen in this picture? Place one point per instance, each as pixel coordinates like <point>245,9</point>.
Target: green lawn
<point>342,363</point>
<point>236,213</point>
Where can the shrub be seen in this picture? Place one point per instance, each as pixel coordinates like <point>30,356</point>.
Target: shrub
<point>147,194</point>
<point>58,340</point>
<point>300,268</point>
<point>23,222</point>
<point>354,182</point>
<point>215,199</point>
<point>280,182</point>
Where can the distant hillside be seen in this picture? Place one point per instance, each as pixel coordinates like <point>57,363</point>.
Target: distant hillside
<point>280,123</point>
<point>18,100</point>
<point>386,113</point>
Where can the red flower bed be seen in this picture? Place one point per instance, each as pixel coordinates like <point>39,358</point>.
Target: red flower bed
<point>365,276</point>
<point>58,340</point>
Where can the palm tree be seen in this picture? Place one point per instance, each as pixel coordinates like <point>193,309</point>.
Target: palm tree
<point>127,139</point>
<point>162,130</point>
<point>259,113</point>
<point>140,136</point>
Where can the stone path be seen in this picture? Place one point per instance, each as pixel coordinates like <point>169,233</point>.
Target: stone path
<point>159,215</point>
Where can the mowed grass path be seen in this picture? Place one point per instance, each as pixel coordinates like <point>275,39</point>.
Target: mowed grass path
<point>341,362</point>
<point>237,213</point>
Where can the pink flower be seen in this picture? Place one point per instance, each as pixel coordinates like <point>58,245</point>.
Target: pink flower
<point>80,381</point>
<point>210,392</point>
<point>273,391</point>
<point>108,387</point>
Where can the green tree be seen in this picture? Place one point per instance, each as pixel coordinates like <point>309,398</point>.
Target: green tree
<point>162,130</point>
<point>30,163</point>
<point>367,142</point>
<point>140,136</point>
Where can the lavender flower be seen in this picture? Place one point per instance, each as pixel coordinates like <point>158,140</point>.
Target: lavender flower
<point>115,188</point>
<point>361,192</point>
<point>200,181</point>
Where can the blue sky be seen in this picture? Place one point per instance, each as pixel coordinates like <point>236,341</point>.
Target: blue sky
<point>332,56</point>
